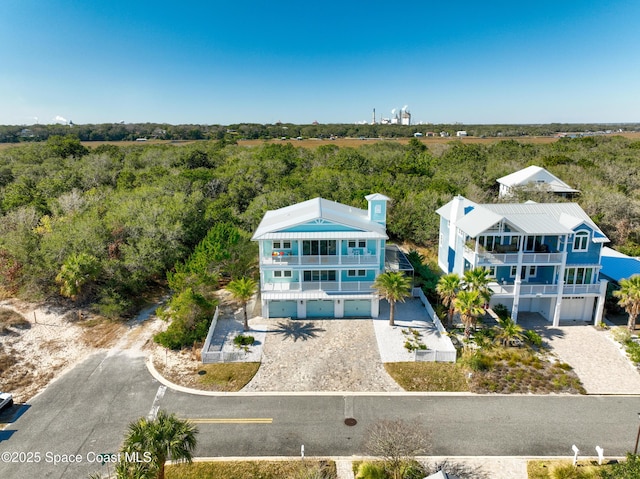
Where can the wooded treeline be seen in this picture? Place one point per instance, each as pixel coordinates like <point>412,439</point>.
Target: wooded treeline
<point>103,225</point>
<point>255,131</point>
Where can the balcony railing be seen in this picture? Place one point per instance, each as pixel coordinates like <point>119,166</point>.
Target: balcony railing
<point>333,286</point>
<point>364,259</point>
<point>527,289</point>
<point>488,258</point>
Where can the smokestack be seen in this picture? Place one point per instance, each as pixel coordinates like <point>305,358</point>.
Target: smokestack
<point>374,117</point>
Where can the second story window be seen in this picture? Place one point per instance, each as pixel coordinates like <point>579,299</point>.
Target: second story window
<point>581,241</point>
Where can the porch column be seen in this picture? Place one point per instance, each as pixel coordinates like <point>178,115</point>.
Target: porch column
<point>302,308</point>
<point>600,305</point>
<point>516,297</point>
<point>375,308</point>
<point>560,283</point>
<point>516,285</point>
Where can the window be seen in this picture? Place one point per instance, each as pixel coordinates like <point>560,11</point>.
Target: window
<point>513,272</point>
<point>378,209</point>
<point>491,271</point>
<point>358,243</point>
<point>533,270</point>
<point>280,274</point>
<point>581,241</point>
<point>578,275</point>
<point>282,245</point>
<point>315,275</point>
<point>353,273</point>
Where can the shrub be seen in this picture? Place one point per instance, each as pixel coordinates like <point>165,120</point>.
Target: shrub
<point>242,340</point>
<point>633,350</point>
<point>370,470</point>
<point>533,338</point>
<point>501,311</point>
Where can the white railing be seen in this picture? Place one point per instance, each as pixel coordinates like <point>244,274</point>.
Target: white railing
<point>498,259</point>
<point>364,259</point>
<point>205,354</point>
<point>578,289</point>
<point>346,286</point>
<point>545,289</point>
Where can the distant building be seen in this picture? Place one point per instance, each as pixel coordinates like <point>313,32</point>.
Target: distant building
<point>534,177</point>
<point>461,133</point>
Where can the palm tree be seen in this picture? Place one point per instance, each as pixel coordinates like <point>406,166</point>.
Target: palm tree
<point>76,271</point>
<point>392,286</point>
<point>629,298</point>
<point>155,441</point>
<point>477,279</point>
<point>243,289</point>
<point>508,331</point>
<point>447,288</point>
<point>469,305</point>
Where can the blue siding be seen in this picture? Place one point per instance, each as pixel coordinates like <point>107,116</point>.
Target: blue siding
<point>591,256</point>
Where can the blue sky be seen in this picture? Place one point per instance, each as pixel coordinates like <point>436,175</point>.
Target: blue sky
<point>93,61</point>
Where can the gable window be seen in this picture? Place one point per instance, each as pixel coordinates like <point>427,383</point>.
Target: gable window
<point>581,241</point>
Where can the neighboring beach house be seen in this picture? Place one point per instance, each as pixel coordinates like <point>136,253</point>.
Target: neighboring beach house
<point>536,177</point>
<point>319,258</point>
<point>543,258</point>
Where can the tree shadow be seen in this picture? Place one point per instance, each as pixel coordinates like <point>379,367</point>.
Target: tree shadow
<point>458,469</point>
<point>297,330</point>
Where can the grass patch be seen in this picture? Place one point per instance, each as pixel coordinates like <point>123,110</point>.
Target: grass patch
<point>254,469</point>
<point>564,469</point>
<point>428,376</point>
<point>227,377</point>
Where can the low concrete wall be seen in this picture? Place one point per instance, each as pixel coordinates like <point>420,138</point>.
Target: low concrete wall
<point>448,354</point>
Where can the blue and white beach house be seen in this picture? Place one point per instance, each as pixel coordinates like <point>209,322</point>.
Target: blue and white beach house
<point>319,258</point>
<point>543,258</point>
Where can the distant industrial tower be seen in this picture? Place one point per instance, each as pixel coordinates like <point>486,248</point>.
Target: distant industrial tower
<point>402,117</point>
<point>373,121</point>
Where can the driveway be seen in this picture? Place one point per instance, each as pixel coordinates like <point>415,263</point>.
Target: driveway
<point>340,354</point>
<point>596,358</point>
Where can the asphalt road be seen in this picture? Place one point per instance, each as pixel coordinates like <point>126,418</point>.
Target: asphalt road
<point>87,410</point>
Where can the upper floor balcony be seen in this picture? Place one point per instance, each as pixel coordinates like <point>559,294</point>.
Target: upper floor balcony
<point>530,289</point>
<point>287,259</point>
<point>331,286</point>
<point>483,257</point>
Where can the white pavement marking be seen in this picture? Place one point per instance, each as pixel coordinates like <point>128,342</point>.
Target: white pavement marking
<point>156,402</point>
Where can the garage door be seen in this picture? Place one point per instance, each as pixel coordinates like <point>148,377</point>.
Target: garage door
<point>357,308</point>
<point>574,308</point>
<point>283,309</point>
<point>319,309</point>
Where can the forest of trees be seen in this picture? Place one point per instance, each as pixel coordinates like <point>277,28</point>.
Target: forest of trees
<point>103,225</point>
<point>256,131</point>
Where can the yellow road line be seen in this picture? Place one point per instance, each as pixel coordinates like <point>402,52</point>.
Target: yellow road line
<point>241,420</point>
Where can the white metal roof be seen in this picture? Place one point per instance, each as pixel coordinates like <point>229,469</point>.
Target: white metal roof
<point>320,235</point>
<point>297,295</point>
<point>318,209</point>
<point>536,174</point>
<point>530,218</point>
